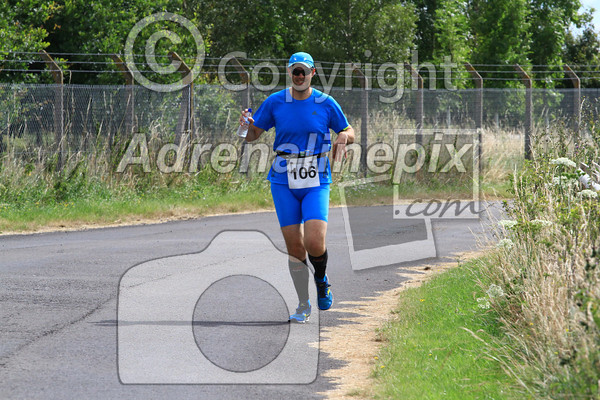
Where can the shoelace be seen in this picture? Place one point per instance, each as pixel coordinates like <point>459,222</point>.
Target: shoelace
<point>322,288</point>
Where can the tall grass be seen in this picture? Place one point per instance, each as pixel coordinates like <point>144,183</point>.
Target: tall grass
<point>32,188</point>
<point>34,193</point>
<point>546,268</point>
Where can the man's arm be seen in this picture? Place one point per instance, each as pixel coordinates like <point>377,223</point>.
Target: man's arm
<point>346,136</point>
<point>254,132</point>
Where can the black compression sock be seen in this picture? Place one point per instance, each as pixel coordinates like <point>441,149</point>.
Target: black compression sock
<point>299,273</point>
<point>320,264</point>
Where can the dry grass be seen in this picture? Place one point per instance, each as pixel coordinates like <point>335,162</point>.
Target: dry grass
<point>549,273</point>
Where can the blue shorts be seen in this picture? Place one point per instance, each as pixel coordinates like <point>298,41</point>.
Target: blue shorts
<point>294,206</point>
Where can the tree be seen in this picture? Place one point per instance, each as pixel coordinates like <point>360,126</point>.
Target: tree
<point>23,30</point>
<point>549,23</point>
<point>500,34</point>
<point>261,28</point>
<point>355,30</point>
<point>102,26</point>
<point>583,51</point>
<point>425,28</point>
<point>452,31</point>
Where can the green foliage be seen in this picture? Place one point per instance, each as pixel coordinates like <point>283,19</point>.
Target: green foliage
<point>500,32</point>
<point>452,31</point>
<point>549,23</point>
<point>584,50</point>
<point>22,29</point>
<point>343,31</point>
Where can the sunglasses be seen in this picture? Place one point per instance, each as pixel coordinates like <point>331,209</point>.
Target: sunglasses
<point>300,71</point>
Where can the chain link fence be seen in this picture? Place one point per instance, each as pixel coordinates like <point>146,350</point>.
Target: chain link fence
<point>37,121</point>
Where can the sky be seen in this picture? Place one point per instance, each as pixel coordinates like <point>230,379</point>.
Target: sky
<point>586,4</point>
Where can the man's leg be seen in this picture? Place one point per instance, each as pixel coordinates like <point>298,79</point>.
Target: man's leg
<point>314,242</point>
<point>315,210</point>
<point>294,241</point>
<point>289,213</point>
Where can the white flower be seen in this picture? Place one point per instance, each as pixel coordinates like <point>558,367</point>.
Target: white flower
<point>505,244</point>
<point>483,303</point>
<point>495,291</point>
<point>590,194</point>
<point>541,222</point>
<point>563,181</point>
<point>507,223</point>
<point>563,161</point>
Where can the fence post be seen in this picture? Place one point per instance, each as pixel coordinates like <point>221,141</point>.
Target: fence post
<point>479,99</point>
<point>528,109</point>
<point>576,97</point>
<point>129,95</point>
<point>416,77</point>
<point>478,109</point>
<point>59,125</point>
<point>186,115</point>
<point>364,116</point>
<point>245,75</point>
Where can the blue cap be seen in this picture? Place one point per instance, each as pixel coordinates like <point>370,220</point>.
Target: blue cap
<point>302,58</point>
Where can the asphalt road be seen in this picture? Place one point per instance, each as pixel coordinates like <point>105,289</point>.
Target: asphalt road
<point>189,309</point>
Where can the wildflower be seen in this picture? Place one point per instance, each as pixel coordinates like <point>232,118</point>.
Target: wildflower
<point>505,244</point>
<point>563,161</point>
<point>541,222</point>
<point>563,181</point>
<point>507,223</point>
<point>590,194</point>
<point>495,291</point>
<point>483,303</point>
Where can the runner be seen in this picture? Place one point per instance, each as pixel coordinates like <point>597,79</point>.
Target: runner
<point>300,175</point>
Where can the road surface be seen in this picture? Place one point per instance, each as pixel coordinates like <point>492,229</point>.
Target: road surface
<point>62,336</point>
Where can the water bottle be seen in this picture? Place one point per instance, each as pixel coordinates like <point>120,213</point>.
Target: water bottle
<point>243,129</point>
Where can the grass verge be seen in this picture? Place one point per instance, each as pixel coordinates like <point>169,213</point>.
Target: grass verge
<point>431,349</point>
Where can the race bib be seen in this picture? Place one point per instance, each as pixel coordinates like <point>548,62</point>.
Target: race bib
<point>303,172</point>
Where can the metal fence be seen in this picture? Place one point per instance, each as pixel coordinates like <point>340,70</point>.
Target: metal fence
<point>43,120</point>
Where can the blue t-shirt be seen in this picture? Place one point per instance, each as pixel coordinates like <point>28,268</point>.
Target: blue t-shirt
<point>301,126</point>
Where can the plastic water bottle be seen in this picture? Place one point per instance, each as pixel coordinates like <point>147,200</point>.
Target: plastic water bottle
<point>243,129</point>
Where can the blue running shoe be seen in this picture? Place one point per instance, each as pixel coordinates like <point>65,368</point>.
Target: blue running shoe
<point>302,313</point>
<point>324,295</point>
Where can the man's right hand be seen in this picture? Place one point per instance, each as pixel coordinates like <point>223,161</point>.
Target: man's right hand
<point>253,131</point>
